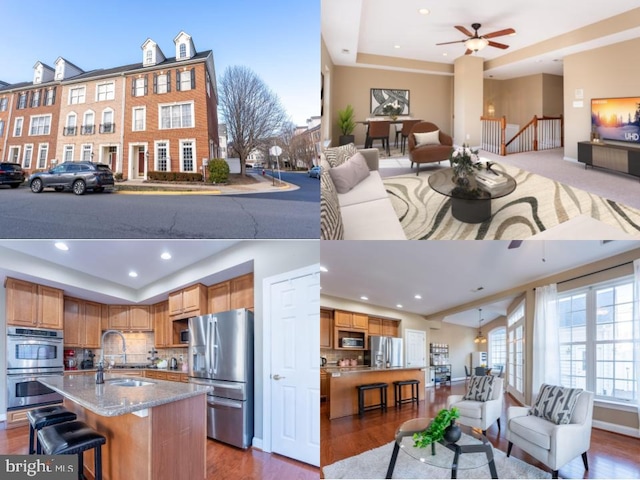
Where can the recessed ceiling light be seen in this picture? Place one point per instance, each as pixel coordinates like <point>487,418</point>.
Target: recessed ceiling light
<point>445,54</point>
<point>363,297</point>
<point>323,269</point>
<point>399,305</point>
<point>165,256</point>
<point>424,11</point>
<point>61,246</point>
<point>133,274</point>
<point>396,46</point>
<point>418,297</point>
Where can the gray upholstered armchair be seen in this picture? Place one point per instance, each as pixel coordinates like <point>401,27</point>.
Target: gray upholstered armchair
<point>554,445</point>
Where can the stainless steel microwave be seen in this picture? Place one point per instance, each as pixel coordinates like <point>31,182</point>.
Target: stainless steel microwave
<point>352,342</point>
<point>184,336</point>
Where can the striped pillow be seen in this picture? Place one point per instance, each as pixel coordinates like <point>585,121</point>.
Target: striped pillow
<point>331,227</point>
<point>555,403</point>
<point>480,388</point>
<point>338,155</point>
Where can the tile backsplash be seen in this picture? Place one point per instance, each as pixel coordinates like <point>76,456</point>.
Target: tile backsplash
<point>333,356</point>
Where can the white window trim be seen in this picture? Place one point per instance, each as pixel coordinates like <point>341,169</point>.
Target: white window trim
<point>155,156</point>
<point>10,149</point>
<point>64,151</point>
<point>15,126</point>
<point>69,115</point>
<point>195,156</point>
<point>71,89</point>
<point>27,146</point>
<point>113,114</point>
<point>144,118</point>
<point>31,124</point>
<point>82,150</point>
<point>103,84</point>
<point>42,146</point>
<point>193,114</point>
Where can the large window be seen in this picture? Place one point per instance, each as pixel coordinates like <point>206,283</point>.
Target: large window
<point>597,339</point>
<point>50,97</point>
<point>515,351</point>
<point>176,116</point>
<point>162,155</point>
<point>76,95</point>
<point>71,127</point>
<point>162,83</point>
<point>498,348</point>
<point>17,127</point>
<point>40,125</point>
<point>187,155</point>
<point>68,153</point>
<point>3,104</point>
<point>27,155</point>
<point>86,152</point>
<point>88,126</point>
<point>35,99</point>
<point>107,125</point>
<point>43,150</point>
<point>139,115</point>
<point>105,91</point>
<point>22,101</point>
<point>185,80</point>
<point>139,87</point>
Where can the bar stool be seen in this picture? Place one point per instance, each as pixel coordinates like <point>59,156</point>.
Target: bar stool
<point>381,387</point>
<point>398,384</point>
<point>73,437</point>
<point>44,417</point>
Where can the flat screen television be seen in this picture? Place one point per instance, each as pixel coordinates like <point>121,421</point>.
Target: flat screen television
<point>616,119</point>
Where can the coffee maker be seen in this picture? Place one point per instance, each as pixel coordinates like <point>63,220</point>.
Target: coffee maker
<point>87,363</point>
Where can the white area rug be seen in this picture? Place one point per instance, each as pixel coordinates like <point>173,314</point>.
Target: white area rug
<point>374,464</point>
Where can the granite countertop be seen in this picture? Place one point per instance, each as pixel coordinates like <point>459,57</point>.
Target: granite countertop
<point>111,400</point>
<point>366,369</point>
<point>126,370</point>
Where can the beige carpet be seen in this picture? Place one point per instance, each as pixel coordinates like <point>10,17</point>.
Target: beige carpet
<point>374,464</point>
<point>537,204</point>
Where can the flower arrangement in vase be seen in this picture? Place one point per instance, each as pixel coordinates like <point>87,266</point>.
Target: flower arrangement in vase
<point>464,160</point>
<point>392,111</point>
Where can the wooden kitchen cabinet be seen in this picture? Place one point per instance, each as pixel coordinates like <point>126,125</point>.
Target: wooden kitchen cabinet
<point>33,305</point>
<point>389,328</point>
<point>219,297</point>
<point>375,326</point>
<point>82,323</point>
<point>132,318</point>
<point>326,328</point>
<point>324,385</point>
<point>350,320</point>
<point>242,292</point>
<point>188,302</point>
<point>161,325</point>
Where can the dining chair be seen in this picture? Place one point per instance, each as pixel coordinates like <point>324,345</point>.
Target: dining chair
<point>467,374</point>
<point>378,130</point>
<point>407,125</point>
<point>480,371</point>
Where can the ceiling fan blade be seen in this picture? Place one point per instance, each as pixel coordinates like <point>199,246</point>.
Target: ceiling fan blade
<point>498,45</point>
<point>447,43</point>
<point>468,52</point>
<point>514,244</point>
<point>499,33</point>
<point>464,30</point>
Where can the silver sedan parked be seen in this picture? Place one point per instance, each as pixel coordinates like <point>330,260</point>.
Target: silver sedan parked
<point>76,176</point>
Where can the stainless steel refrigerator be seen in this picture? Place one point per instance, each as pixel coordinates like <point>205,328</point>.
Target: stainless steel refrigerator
<point>221,356</point>
<point>385,349</point>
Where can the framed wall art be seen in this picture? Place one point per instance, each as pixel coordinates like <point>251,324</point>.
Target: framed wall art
<point>383,97</point>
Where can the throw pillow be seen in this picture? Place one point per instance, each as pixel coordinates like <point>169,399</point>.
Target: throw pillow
<point>480,388</point>
<point>555,403</point>
<point>338,155</point>
<point>428,138</point>
<point>331,227</point>
<point>350,173</point>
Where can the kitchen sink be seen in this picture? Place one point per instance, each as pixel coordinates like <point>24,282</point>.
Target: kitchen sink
<point>128,382</point>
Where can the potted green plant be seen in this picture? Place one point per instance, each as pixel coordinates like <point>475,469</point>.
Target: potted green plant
<point>441,427</point>
<point>346,124</point>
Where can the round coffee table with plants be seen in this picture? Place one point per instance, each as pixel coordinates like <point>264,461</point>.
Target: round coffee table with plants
<point>471,451</point>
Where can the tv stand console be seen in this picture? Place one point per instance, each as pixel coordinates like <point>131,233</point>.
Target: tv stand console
<point>625,159</point>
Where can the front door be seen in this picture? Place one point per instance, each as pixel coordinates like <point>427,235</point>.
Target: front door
<point>140,162</point>
<point>294,312</point>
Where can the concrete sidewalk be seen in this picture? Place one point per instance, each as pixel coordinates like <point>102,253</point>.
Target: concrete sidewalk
<point>264,184</point>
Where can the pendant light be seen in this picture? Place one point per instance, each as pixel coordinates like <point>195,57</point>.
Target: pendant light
<point>480,338</point>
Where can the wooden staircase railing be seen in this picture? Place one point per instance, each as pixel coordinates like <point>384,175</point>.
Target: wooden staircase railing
<point>541,133</point>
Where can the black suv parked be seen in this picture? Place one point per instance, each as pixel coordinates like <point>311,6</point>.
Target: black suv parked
<point>11,174</point>
<point>76,176</point>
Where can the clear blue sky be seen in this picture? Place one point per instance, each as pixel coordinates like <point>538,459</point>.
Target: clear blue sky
<point>278,39</point>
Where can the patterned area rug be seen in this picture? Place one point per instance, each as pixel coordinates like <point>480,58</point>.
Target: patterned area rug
<point>374,464</point>
<point>537,204</point>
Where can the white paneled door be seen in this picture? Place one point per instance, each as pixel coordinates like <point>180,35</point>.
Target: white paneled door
<point>295,366</point>
<point>416,341</point>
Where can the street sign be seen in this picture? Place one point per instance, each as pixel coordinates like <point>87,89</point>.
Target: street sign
<point>275,151</point>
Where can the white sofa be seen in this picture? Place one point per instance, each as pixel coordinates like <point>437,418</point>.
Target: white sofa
<point>366,211</point>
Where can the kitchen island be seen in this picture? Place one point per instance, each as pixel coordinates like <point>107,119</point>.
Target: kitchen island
<point>155,429</point>
<point>343,395</point>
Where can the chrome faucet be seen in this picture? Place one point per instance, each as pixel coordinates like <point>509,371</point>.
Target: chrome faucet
<point>124,345</point>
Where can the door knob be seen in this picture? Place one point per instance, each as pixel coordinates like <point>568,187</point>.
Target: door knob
<point>277,377</point>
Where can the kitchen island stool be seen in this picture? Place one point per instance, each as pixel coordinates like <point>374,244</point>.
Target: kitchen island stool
<point>73,437</point>
<point>398,392</point>
<point>44,417</point>
<point>382,387</point>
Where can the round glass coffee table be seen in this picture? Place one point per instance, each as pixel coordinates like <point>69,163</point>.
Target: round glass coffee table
<point>473,450</point>
<point>471,204</point>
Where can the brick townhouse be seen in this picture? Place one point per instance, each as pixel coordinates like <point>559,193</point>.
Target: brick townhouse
<point>159,114</point>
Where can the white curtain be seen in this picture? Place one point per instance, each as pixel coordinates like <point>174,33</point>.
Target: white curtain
<point>636,331</point>
<point>546,346</point>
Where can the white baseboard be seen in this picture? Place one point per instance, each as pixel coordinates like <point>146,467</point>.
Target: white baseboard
<point>257,443</point>
<point>3,417</point>
<point>621,429</point>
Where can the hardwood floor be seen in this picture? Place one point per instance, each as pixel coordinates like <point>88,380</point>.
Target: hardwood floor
<point>223,461</point>
<point>610,456</point>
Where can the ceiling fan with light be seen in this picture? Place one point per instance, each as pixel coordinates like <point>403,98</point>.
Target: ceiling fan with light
<point>475,42</point>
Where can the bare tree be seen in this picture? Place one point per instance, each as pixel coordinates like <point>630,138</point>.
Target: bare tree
<point>251,111</point>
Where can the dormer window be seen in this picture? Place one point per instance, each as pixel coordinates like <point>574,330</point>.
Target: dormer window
<point>184,46</point>
<point>183,50</point>
<point>149,57</point>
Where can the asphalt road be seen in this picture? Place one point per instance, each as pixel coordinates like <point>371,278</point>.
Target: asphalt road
<point>286,214</point>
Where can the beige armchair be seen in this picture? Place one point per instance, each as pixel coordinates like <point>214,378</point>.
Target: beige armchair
<point>480,414</point>
<point>554,445</point>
